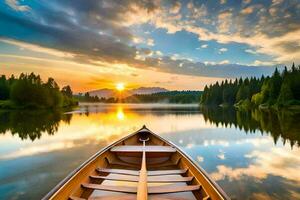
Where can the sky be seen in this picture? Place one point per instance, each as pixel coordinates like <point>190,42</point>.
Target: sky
<point>175,44</point>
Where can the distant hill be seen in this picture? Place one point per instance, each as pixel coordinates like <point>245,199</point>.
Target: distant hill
<point>107,93</point>
<point>147,90</point>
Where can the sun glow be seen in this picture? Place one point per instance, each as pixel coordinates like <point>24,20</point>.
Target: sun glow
<point>120,86</point>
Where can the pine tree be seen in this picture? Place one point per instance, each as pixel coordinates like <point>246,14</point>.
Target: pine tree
<point>4,88</point>
<point>275,85</point>
<point>285,93</point>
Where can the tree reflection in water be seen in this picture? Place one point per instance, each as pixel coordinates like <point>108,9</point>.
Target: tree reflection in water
<point>282,124</point>
<point>32,124</point>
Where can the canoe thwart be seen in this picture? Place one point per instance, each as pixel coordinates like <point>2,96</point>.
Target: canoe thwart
<point>150,179</point>
<point>136,172</point>
<point>139,148</point>
<point>151,190</point>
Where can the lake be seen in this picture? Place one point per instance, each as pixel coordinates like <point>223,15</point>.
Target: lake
<point>250,154</point>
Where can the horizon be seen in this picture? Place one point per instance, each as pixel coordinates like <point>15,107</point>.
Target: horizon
<point>177,45</point>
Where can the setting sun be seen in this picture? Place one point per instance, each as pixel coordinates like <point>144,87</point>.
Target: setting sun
<point>120,86</point>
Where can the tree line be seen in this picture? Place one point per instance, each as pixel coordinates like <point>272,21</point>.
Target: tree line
<point>86,97</point>
<point>182,97</point>
<point>279,90</point>
<point>29,91</point>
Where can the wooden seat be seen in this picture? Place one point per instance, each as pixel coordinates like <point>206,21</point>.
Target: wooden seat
<point>172,189</point>
<point>136,173</point>
<point>119,197</point>
<point>150,179</point>
<point>148,149</point>
<point>110,188</point>
<point>133,197</point>
<point>119,171</point>
<point>135,166</point>
<point>151,190</point>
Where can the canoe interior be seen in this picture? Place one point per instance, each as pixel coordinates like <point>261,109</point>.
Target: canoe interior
<point>114,173</point>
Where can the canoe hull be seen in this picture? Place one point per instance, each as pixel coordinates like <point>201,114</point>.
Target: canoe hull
<point>116,156</point>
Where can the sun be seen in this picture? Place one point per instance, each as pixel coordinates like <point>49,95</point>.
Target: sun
<point>120,86</point>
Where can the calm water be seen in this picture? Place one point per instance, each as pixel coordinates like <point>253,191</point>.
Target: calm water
<point>252,155</point>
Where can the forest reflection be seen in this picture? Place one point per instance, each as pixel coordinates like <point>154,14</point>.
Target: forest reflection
<point>282,124</point>
<point>32,124</point>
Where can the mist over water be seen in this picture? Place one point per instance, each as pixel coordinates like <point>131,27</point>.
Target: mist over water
<point>251,154</point>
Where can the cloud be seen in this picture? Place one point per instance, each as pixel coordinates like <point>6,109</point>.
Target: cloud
<point>248,10</point>
<point>224,21</point>
<point>266,63</point>
<point>93,32</point>
<point>221,156</point>
<point>222,1</point>
<point>176,7</point>
<point>213,142</point>
<point>223,62</point>
<point>250,51</point>
<point>37,48</point>
<point>139,40</point>
<point>197,12</point>
<point>278,162</point>
<point>150,42</point>
<point>38,149</point>
<point>14,4</point>
<point>203,46</point>
<point>159,53</point>
<point>200,159</point>
<point>222,50</point>
<point>246,1</point>
<point>276,2</point>
<point>262,32</point>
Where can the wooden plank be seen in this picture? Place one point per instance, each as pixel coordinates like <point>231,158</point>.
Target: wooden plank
<point>118,177</point>
<point>172,189</point>
<point>76,198</point>
<point>150,165</point>
<point>133,197</point>
<point>142,193</point>
<point>136,173</point>
<point>166,172</point>
<point>119,171</point>
<point>148,149</point>
<point>110,188</point>
<point>150,179</point>
<point>151,190</point>
<point>115,197</point>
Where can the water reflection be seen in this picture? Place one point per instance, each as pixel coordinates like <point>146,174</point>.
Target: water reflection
<point>31,124</point>
<point>283,124</point>
<point>120,113</point>
<point>236,148</point>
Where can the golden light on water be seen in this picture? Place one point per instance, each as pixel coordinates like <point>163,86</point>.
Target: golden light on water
<point>120,86</point>
<point>120,113</point>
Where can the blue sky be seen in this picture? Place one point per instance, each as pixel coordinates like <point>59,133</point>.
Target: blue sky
<point>126,39</point>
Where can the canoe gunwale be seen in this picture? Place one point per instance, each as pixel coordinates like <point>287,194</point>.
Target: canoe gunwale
<point>72,174</point>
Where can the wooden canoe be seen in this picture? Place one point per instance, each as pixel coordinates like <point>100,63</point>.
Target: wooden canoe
<point>140,166</point>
